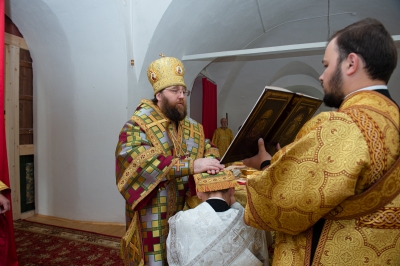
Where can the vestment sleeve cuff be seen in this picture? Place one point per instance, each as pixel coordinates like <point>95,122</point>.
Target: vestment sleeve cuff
<point>265,164</point>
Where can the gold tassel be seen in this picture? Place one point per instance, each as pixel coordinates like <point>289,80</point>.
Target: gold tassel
<point>131,243</point>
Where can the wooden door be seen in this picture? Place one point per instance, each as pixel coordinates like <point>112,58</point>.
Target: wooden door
<point>19,124</point>
<point>26,130</point>
<point>25,98</point>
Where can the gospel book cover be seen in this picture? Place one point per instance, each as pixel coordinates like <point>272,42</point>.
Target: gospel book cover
<point>277,117</point>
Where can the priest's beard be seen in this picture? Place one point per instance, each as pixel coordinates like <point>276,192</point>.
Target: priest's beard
<point>175,112</point>
<point>334,97</point>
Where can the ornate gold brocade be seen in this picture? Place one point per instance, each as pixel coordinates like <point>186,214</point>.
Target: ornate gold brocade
<point>386,218</point>
<point>335,157</point>
<point>223,180</point>
<point>344,243</point>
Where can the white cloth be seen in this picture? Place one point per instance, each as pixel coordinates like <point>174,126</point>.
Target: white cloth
<point>201,236</point>
<point>370,88</point>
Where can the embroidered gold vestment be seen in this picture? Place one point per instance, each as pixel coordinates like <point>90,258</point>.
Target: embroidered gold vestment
<point>335,158</point>
<point>222,138</point>
<point>154,159</point>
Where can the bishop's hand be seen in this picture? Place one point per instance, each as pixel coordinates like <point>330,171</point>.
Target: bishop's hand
<point>209,165</point>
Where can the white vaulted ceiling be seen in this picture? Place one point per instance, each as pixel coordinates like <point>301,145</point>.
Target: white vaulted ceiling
<point>197,29</point>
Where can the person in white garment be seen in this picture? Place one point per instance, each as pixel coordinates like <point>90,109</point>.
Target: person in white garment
<point>214,233</point>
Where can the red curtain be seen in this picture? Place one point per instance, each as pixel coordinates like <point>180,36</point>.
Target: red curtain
<point>12,255</point>
<point>209,108</point>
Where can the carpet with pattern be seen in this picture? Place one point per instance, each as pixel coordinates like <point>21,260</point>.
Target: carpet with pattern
<point>40,244</point>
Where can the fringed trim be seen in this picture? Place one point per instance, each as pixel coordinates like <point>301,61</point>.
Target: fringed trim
<point>220,181</point>
<point>131,243</point>
<point>217,186</point>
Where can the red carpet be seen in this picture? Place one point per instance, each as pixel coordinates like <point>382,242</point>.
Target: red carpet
<point>40,244</point>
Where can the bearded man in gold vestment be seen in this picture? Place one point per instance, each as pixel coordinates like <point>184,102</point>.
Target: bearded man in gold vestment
<point>332,195</point>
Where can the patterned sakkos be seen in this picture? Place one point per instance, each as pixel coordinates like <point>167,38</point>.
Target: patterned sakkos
<point>152,175</point>
<point>335,157</point>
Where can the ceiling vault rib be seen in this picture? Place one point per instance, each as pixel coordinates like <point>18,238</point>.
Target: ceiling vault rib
<point>259,13</point>
<point>290,21</point>
<point>284,49</point>
<point>300,19</point>
<point>259,51</point>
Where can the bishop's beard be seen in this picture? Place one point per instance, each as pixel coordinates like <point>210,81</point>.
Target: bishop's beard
<point>175,112</point>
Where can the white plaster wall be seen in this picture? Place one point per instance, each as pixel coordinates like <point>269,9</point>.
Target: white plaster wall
<point>394,82</point>
<point>145,19</point>
<point>146,16</point>
<point>80,104</point>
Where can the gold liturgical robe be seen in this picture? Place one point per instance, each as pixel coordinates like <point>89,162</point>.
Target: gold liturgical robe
<point>334,157</point>
<point>2,186</point>
<point>222,138</point>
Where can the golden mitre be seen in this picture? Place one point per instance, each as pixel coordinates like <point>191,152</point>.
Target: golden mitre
<point>165,72</point>
<point>220,181</point>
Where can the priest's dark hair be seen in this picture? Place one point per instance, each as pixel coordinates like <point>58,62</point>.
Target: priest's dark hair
<point>369,39</point>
